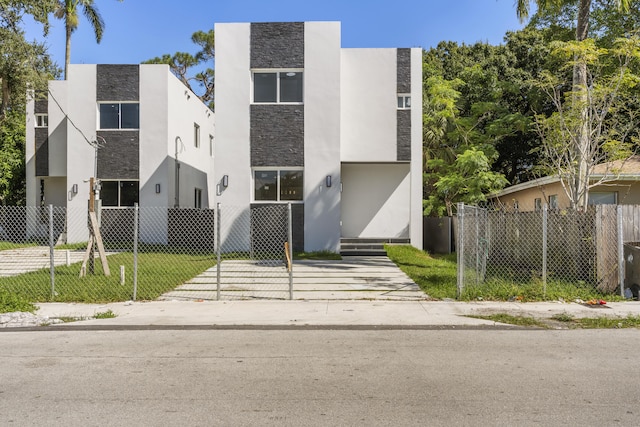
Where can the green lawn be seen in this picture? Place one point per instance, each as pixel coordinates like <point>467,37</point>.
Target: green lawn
<point>157,273</point>
<point>437,277</point>
<point>8,245</point>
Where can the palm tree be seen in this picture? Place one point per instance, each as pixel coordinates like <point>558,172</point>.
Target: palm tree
<point>68,10</point>
<point>580,80</point>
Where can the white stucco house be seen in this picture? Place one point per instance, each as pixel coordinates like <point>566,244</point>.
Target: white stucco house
<point>155,137</point>
<point>336,132</point>
<point>299,119</point>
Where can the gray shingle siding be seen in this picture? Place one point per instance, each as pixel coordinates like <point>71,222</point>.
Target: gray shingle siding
<point>277,45</point>
<point>277,135</point>
<point>120,157</point>
<point>404,135</point>
<point>117,82</point>
<point>42,151</point>
<point>404,70</point>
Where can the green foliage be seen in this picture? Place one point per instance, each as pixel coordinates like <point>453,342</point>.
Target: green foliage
<point>105,315</point>
<point>182,63</point>
<point>512,320</point>
<point>10,302</point>
<point>436,275</point>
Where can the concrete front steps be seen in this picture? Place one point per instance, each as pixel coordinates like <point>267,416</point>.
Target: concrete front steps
<point>350,246</point>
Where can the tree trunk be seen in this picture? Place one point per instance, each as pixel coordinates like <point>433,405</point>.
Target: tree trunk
<point>67,53</point>
<point>583,141</point>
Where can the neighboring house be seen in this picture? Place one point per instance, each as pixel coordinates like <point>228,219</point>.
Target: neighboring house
<point>336,132</point>
<point>622,186</point>
<point>154,133</point>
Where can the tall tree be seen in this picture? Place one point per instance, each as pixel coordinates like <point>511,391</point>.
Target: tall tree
<point>67,10</point>
<point>580,146</point>
<point>181,65</point>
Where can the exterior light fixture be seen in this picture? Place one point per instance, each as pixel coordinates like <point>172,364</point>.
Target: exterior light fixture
<point>225,181</point>
<point>157,188</point>
<point>74,188</point>
<point>328,181</point>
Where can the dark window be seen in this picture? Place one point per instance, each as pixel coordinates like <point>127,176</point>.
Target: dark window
<point>290,87</point>
<point>265,87</point>
<point>119,193</point>
<point>291,185</point>
<point>276,87</point>
<point>198,198</point>
<point>119,116</point>
<point>266,185</point>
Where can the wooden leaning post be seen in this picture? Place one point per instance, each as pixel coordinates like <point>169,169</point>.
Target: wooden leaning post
<point>95,238</point>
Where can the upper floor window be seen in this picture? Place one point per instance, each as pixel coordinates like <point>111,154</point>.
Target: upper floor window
<point>119,115</point>
<point>278,185</point>
<point>42,120</point>
<point>275,87</point>
<point>404,101</point>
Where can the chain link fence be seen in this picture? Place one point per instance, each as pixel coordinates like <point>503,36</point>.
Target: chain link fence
<point>515,253</point>
<point>146,253</point>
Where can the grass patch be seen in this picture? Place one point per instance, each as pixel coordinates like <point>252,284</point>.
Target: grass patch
<point>321,255</point>
<point>513,320</point>
<point>157,273</point>
<point>4,246</point>
<point>10,302</point>
<point>104,315</point>
<point>608,322</point>
<point>435,274</point>
<point>504,290</point>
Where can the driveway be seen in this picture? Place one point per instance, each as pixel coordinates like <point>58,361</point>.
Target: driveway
<point>352,278</point>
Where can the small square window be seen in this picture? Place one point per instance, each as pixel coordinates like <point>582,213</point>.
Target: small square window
<point>404,102</point>
<point>42,120</point>
<point>538,204</point>
<point>553,201</point>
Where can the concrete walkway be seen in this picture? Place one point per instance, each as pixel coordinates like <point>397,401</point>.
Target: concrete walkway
<point>339,313</point>
<point>352,278</point>
<point>23,260</point>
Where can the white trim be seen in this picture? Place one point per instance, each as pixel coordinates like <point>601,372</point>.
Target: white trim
<point>44,117</point>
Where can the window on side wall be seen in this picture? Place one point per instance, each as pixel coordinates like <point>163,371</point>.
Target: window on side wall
<point>553,201</point>
<point>538,204</point>
<point>274,87</point>
<point>42,120</point>
<point>278,185</point>
<point>603,198</point>
<point>196,135</point>
<point>119,115</point>
<point>404,101</point>
<point>116,193</point>
<point>197,198</point>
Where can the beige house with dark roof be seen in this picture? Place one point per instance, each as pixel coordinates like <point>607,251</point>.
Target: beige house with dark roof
<point>620,185</point>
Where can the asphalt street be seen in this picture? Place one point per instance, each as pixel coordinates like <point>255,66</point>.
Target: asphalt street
<point>319,377</point>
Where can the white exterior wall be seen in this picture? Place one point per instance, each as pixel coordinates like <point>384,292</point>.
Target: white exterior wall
<point>322,136</point>
<point>369,105</point>
<point>82,108</point>
<point>196,170</point>
<point>232,150</point>
<point>58,129</point>
<point>416,215</point>
<point>30,155</point>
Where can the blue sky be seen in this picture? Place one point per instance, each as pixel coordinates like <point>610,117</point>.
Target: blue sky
<point>137,30</point>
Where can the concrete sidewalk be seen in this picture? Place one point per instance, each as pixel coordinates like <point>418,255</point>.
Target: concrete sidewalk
<point>317,313</point>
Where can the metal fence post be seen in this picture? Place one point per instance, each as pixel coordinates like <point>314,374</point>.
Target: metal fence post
<point>475,212</point>
<point>621,271</point>
<point>290,248</point>
<point>52,276</point>
<point>545,218</point>
<point>135,250</point>
<point>217,219</point>
<point>460,249</point>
